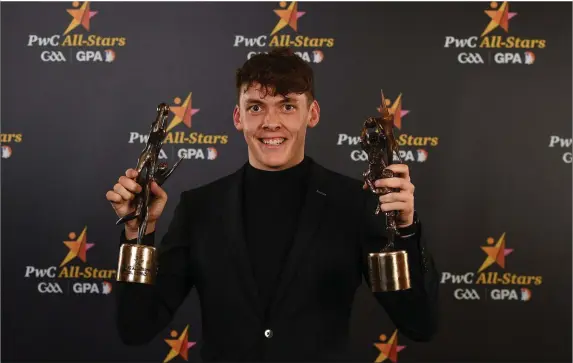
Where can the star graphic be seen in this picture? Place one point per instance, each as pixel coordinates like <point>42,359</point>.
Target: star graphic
<point>81,16</point>
<point>179,346</point>
<point>389,350</point>
<point>496,253</point>
<point>182,113</point>
<point>396,110</point>
<point>288,17</point>
<point>78,247</point>
<point>499,17</point>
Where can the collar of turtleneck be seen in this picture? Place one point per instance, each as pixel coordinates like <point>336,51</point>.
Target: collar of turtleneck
<point>264,178</point>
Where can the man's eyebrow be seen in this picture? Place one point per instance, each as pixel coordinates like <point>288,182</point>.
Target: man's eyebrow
<point>253,100</point>
<point>288,99</point>
<point>258,101</point>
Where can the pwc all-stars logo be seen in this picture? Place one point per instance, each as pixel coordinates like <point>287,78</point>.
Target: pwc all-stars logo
<point>78,41</point>
<point>285,33</point>
<point>490,281</point>
<point>412,148</point>
<point>183,112</point>
<point>73,275</point>
<point>493,45</point>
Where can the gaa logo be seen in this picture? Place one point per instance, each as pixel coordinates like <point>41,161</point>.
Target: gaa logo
<point>52,56</point>
<point>49,288</point>
<point>470,58</point>
<point>466,294</point>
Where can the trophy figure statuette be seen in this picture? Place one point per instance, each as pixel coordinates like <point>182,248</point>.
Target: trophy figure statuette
<point>388,269</point>
<point>138,262</point>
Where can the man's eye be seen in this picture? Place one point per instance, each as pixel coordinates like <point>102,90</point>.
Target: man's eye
<point>289,107</point>
<point>255,108</point>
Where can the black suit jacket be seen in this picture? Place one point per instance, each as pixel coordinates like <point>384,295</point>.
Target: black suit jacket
<point>204,248</point>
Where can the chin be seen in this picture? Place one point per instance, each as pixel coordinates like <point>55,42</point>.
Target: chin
<point>274,161</point>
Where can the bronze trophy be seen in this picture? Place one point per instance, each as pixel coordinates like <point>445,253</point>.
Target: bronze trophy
<point>388,269</point>
<point>138,262</point>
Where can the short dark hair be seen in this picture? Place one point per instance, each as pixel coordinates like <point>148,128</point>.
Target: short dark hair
<point>280,72</point>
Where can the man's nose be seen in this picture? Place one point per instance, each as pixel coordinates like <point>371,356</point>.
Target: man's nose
<point>270,122</point>
<point>271,126</point>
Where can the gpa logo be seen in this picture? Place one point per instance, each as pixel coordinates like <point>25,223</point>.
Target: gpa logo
<point>83,288</point>
<point>76,44</point>
<point>286,34</point>
<point>488,283</point>
<point>413,149</point>
<point>191,145</point>
<point>523,294</point>
<point>5,139</point>
<point>6,151</point>
<point>493,45</point>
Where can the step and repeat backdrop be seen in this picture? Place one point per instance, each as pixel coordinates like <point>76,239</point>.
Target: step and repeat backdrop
<point>485,94</point>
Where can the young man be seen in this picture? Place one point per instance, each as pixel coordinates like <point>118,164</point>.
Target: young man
<point>277,249</point>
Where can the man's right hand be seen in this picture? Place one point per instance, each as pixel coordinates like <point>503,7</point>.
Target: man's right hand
<point>123,193</point>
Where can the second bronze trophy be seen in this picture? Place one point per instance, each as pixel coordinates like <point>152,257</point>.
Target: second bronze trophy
<point>388,269</point>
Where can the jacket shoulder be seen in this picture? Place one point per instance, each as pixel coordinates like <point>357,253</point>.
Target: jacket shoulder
<point>213,188</point>
<point>348,190</point>
<point>340,182</point>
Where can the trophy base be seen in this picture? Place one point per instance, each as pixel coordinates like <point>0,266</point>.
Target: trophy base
<point>389,271</point>
<point>137,263</point>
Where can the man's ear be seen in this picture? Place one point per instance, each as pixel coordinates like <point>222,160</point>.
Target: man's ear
<point>314,116</point>
<point>237,118</point>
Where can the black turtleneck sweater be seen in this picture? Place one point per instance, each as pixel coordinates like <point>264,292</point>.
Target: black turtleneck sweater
<point>272,204</point>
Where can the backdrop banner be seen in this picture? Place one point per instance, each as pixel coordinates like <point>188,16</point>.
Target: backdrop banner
<point>486,105</point>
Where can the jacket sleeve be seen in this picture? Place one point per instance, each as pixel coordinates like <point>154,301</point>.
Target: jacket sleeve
<point>414,312</point>
<point>142,311</point>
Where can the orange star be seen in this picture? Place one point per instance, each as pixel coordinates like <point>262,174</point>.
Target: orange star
<point>81,16</point>
<point>182,113</point>
<point>389,350</point>
<point>288,17</point>
<point>179,346</point>
<point>495,254</point>
<point>499,17</point>
<point>395,109</point>
<point>78,247</point>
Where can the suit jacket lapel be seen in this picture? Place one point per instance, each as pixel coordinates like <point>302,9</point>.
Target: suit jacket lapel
<point>232,224</point>
<point>309,220</point>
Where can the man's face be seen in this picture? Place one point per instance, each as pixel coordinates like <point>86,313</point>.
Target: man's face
<point>274,126</point>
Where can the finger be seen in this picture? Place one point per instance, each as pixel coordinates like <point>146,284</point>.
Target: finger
<point>364,186</point>
<point>129,184</point>
<point>395,206</point>
<point>126,195</point>
<point>131,173</point>
<point>402,170</point>
<point>394,183</point>
<point>158,191</point>
<point>396,197</point>
<point>113,197</point>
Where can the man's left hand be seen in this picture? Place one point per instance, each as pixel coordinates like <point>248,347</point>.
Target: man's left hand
<point>402,201</point>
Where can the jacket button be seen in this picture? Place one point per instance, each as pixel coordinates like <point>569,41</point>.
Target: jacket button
<point>268,333</point>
